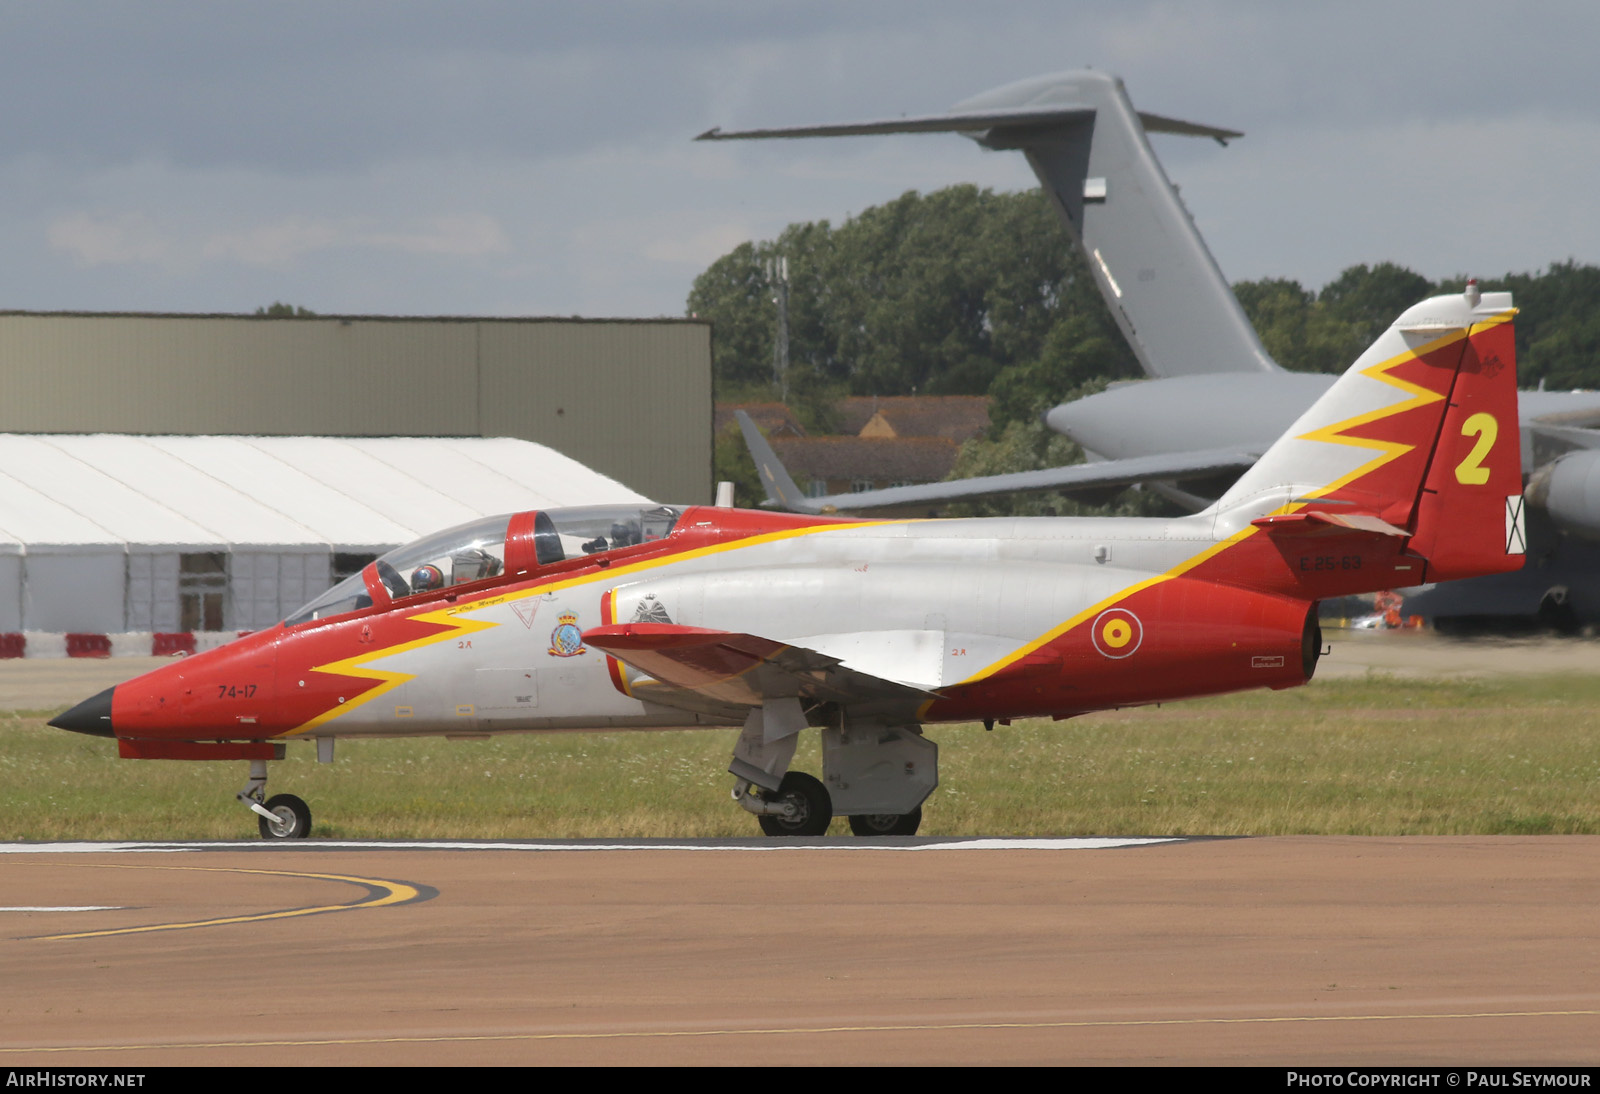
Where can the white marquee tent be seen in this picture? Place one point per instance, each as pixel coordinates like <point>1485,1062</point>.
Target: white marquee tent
<point>112,533</point>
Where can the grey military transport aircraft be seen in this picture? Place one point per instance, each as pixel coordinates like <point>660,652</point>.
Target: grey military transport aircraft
<point>1216,399</point>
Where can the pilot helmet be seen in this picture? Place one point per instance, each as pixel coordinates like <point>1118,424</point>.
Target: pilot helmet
<point>427,577</point>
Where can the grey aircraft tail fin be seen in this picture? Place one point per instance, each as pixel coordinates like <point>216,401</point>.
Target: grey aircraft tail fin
<point>1088,146</point>
<point>781,490</point>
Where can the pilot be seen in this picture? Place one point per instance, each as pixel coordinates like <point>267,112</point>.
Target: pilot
<point>473,564</point>
<point>426,578</point>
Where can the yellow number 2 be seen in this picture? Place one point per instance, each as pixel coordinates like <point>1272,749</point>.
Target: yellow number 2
<point>1470,471</point>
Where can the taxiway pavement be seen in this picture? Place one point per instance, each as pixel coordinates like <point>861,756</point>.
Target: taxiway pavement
<point>1240,951</point>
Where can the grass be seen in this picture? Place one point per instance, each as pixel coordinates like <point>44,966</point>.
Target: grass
<point>1373,757</point>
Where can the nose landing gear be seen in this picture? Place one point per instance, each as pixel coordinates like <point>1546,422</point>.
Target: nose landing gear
<point>282,816</point>
<point>291,818</point>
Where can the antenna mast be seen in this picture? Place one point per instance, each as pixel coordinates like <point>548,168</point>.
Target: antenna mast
<point>778,275</point>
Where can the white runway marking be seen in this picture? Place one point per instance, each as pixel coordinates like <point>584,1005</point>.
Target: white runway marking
<point>1081,843</point>
<point>96,848</point>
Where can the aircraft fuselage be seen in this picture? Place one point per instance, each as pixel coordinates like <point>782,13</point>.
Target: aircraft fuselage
<point>977,618</point>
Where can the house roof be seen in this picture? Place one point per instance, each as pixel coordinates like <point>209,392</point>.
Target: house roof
<point>956,418</point>
<point>892,459</point>
<point>775,419</point>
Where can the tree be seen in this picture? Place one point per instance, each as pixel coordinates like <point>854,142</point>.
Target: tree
<point>965,291</point>
<point>1326,331</point>
<point>276,310</point>
<point>731,462</point>
<point>944,294</point>
<point>1558,325</point>
<point>1369,299</point>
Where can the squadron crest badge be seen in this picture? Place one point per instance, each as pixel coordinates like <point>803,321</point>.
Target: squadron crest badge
<point>567,640</point>
<point>651,610</point>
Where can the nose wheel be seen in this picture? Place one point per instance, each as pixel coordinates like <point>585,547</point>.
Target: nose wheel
<point>291,818</point>
<point>282,816</point>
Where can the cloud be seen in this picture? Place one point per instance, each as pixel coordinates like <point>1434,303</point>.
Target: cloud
<point>99,240</point>
<point>274,245</point>
<point>537,158</point>
<point>470,235</point>
<point>697,248</point>
<point>134,238</point>
<point>1486,197</point>
<point>280,244</point>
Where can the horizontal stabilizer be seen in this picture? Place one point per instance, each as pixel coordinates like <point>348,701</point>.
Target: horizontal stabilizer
<point>1316,523</point>
<point>1157,123</point>
<point>969,121</point>
<point>743,669</point>
<point>956,122</point>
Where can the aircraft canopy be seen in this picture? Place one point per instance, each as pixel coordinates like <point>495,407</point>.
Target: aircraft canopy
<point>481,549</point>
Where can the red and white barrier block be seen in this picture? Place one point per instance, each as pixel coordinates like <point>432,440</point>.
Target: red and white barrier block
<point>46,644</point>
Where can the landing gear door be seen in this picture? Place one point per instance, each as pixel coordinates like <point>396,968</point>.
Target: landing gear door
<point>870,768</point>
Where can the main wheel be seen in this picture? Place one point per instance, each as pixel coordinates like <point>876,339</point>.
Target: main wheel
<point>293,818</point>
<point>887,824</point>
<point>813,807</point>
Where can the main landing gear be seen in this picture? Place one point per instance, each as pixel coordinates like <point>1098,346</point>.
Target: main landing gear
<point>876,774</point>
<point>282,816</point>
<point>802,806</point>
<point>887,824</point>
<point>806,809</point>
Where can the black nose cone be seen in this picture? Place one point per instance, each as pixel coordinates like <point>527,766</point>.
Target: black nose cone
<point>90,716</point>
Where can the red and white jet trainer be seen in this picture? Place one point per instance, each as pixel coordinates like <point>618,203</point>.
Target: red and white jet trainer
<point>1407,471</point>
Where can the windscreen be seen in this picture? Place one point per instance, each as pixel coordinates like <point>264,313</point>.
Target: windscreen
<point>456,556</point>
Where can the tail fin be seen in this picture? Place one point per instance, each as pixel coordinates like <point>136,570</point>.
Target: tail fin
<point>1418,439</point>
<point>1088,147</point>
<point>1474,484</point>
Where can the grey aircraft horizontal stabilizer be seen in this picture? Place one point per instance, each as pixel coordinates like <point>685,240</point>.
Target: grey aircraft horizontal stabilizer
<point>1080,477</point>
<point>971,121</point>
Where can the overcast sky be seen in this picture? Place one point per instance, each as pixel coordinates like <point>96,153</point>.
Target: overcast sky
<point>536,158</point>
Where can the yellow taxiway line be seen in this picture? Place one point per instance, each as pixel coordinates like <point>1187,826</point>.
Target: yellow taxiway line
<point>380,892</point>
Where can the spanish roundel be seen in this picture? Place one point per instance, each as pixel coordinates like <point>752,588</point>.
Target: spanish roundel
<point>1117,633</point>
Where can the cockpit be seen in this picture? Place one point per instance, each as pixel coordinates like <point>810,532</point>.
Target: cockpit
<point>517,544</point>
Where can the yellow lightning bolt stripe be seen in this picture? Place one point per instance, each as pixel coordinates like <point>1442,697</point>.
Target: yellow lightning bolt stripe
<point>388,679</point>
<point>1388,451</point>
<point>360,665</point>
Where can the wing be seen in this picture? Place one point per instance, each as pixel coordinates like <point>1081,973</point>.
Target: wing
<point>728,668</point>
<point>1074,478</point>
